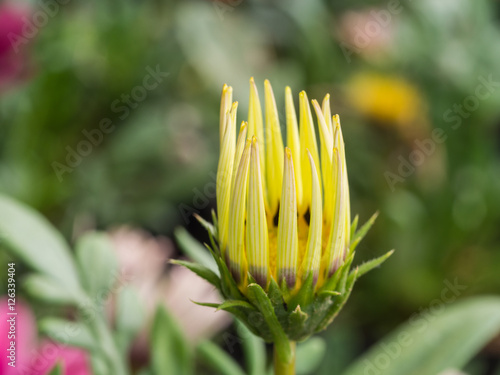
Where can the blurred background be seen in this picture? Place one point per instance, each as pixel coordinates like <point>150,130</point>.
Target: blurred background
<point>109,116</point>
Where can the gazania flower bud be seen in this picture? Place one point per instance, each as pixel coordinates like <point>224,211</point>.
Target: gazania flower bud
<point>283,239</point>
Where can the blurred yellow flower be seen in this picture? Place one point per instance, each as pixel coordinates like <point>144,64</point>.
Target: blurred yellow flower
<point>388,99</point>
<point>282,213</point>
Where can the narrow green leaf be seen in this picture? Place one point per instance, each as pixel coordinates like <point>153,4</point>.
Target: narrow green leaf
<point>310,354</point>
<point>194,249</point>
<point>68,332</point>
<point>368,266</point>
<point>97,262</point>
<point>30,237</point>
<point>254,350</point>
<point>200,270</point>
<point>170,351</point>
<point>259,298</point>
<point>444,336</point>
<point>218,359</point>
<point>361,233</point>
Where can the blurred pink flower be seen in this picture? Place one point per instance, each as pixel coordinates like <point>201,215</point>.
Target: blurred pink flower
<point>30,358</point>
<point>13,58</point>
<point>143,260</point>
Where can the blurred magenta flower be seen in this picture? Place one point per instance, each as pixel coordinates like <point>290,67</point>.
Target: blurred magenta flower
<point>13,59</point>
<point>31,358</point>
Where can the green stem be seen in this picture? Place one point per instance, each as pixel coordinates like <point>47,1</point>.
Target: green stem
<point>284,368</point>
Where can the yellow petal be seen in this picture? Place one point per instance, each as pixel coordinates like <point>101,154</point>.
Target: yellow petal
<point>225,105</point>
<point>257,240</point>
<point>293,141</point>
<point>274,150</point>
<point>236,257</point>
<point>326,141</point>
<point>255,126</point>
<point>327,113</point>
<point>307,142</point>
<point>287,243</point>
<point>240,145</point>
<point>224,176</point>
<point>339,143</point>
<point>336,246</point>
<point>311,262</point>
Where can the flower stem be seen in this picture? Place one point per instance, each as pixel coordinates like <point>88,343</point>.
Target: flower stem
<point>284,368</point>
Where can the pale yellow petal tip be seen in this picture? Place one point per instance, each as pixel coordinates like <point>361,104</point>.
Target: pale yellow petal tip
<point>326,98</point>
<point>288,153</point>
<point>266,82</point>
<point>288,90</point>
<point>252,81</point>
<point>302,94</point>
<point>243,125</point>
<point>254,140</point>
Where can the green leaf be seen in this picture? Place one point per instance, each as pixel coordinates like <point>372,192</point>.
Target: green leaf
<point>200,270</point>
<point>170,351</point>
<point>30,237</point>
<point>361,233</point>
<point>442,337</point>
<point>194,249</point>
<point>130,316</point>
<point>260,299</point>
<point>310,355</point>
<point>49,290</point>
<point>218,359</point>
<point>68,332</point>
<point>254,350</point>
<point>56,370</point>
<point>97,262</point>
<point>368,266</point>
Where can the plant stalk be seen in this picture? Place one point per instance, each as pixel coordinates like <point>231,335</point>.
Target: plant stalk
<point>281,367</point>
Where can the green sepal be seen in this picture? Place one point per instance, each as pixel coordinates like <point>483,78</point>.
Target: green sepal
<point>332,284</point>
<point>368,266</point>
<point>361,233</point>
<point>215,224</point>
<point>341,287</point>
<point>339,303</point>
<point>259,298</point>
<point>298,320</point>
<point>200,270</point>
<point>275,294</point>
<point>193,249</point>
<point>235,303</point>
<point>207,304</point>
<point>305,294</point>
<point>354,227</point>
<point>210,228</point>
<point>228,288</point>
